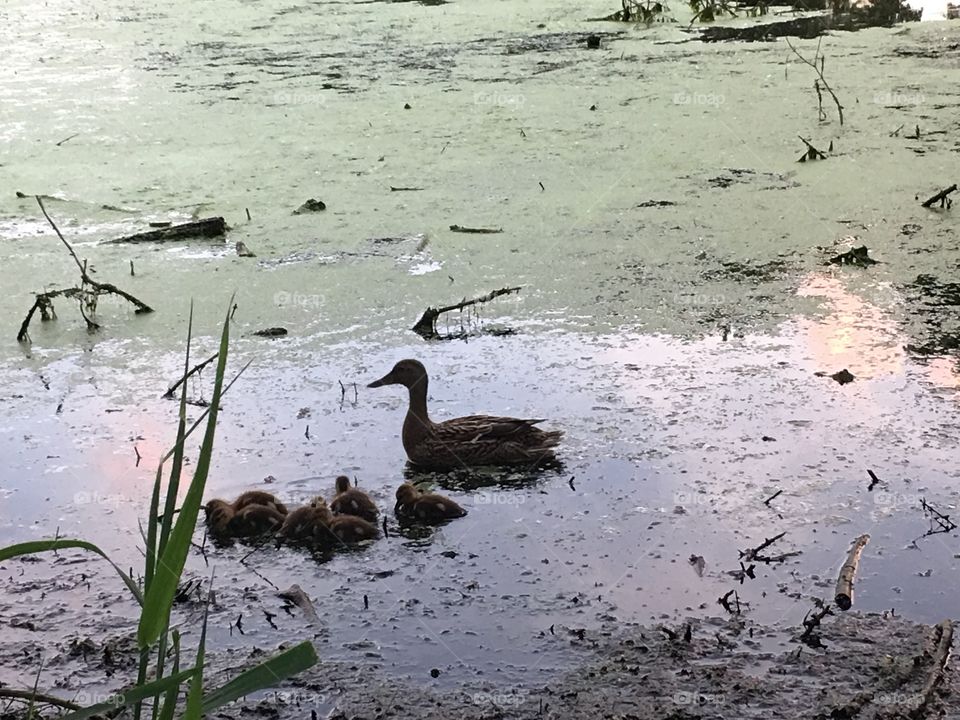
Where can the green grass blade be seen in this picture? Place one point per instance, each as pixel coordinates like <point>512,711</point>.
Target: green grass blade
<point>159,597</point>
<point>130,696</point>
<point>266,674</point>
<point>170,699</point>
<point>194,709</point>
<point>40,546</point>
<point>173,487</point>
<point>153,548</point>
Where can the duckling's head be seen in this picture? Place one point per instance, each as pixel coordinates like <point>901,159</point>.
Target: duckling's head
<point>318,503</point>
<point>407,493</point>
<point>217,507</point>
<point>406,372</point>
<point>342,484</point>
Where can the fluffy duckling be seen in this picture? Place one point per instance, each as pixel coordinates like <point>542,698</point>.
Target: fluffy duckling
<point>304,523</point>
<point>219,514</point>
<point>259,497</point>
<point>350,501</point>
<point>425,507</point>
<point>254,520</point>
<point>351,529</point>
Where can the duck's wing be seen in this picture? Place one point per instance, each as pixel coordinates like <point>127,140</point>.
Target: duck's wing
<point>477,428</point>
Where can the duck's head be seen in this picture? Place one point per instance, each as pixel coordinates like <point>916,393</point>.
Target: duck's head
<point>318,503</point>
<point>406,372</point>
<point>342,484</point>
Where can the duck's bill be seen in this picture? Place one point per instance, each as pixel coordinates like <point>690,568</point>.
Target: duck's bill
<point>385,380</point>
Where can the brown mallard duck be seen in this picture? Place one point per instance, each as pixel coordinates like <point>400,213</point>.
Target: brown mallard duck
<point>425,507</point>
<point>464,441</point>
<point>219,514</point>
<point>259,497</point>
<point>350,501</point>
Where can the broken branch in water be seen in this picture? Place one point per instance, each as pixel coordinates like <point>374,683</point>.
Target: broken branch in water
<point>426,326</point>
<point>87,293</point>
<point>193,371</point>
<point>943,521</point>
<point>207,227</point>
<point>941,197</point>
<point>848,571</point>
<point>821,79</point>
<point>811,153</point>
<point>772,497</point>
<point>873,480</point>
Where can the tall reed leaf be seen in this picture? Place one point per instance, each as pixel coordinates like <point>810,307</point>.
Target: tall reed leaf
<point>266,674</point>
<point>160,594</point>
<point>130,696</point>
<point>39,546</point>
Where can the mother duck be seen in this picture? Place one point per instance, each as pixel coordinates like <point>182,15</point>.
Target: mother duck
<point>464,441</point>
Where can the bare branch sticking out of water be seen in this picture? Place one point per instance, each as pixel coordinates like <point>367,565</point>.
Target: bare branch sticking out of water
<point>811,153</point>
<point>426,326</point>
<point>821,80</point>
<point>944,523</point>
<point>193,371</point>
<point>941,197</point>
<point>87,293</point>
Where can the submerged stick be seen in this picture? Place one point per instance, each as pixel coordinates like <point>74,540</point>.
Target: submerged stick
<point>207,227</point>
<point>848,571</point>
<point>426,326</point>
<point>480,231</point>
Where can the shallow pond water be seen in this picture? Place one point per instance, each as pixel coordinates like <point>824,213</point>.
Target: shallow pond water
<point>676,306</point>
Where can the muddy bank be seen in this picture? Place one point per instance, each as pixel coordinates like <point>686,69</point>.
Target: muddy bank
<point>872,666</point>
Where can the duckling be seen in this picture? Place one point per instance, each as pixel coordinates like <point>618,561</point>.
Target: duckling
<point>351,529</point>
<point>259,497</point>
<point>219,514</point>
<point>426,507</point>
<point>350,501</point>
<point>305,522</point>
<point>254,520</point>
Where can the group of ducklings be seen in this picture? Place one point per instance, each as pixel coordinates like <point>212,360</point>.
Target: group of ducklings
<point>349,518</point>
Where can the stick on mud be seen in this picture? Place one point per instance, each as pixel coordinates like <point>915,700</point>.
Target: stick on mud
<point>844,595</point>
